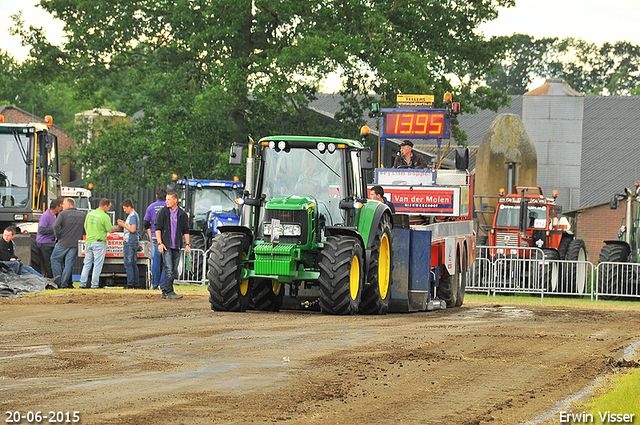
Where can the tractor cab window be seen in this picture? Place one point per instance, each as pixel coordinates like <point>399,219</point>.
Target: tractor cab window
<point>537,217</point>
<point>358,185</point>
<point>13,171</point>
<point>509,216</point>
<point>214,199</point>
<point>305,172</point>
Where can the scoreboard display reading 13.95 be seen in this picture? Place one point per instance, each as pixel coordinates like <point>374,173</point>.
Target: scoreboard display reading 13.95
<point>427,125</point>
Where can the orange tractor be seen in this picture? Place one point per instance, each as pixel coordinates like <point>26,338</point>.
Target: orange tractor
<point>526,220</point>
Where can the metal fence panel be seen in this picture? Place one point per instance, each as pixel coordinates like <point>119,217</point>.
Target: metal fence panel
<point>196,273</point>
<point>618,280</point>
<point>507,269</point>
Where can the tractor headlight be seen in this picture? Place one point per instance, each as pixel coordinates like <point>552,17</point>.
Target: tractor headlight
<point>331,148</point>
<point>284,229</point>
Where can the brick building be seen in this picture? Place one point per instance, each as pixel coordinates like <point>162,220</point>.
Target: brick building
<point>13,114</point>
<point>596,224</point>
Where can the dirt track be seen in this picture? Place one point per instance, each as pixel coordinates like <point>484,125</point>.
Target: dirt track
<point>122,357</point>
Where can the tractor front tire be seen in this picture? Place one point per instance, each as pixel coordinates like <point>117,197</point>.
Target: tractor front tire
<point>612,277</point>
<point>267,295</point>
<point>226,291</point>
<point>377,294</point>
<point>341,275</point>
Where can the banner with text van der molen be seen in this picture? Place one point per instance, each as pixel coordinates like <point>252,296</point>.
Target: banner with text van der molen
<point>425,201</point>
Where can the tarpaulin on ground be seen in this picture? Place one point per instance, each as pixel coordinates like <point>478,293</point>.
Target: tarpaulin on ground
<point>12,285</point>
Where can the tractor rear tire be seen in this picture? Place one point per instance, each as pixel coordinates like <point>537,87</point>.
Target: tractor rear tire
<point>341,275</point>
<point>611,277</point>
<point>462,287</point>
<point>549,273</point>
<point>451,287</point>
<point>267,295</point>
<point>377,294</point>
<point>563,246</point>
<point>575,275</point>
<point>226,291</point>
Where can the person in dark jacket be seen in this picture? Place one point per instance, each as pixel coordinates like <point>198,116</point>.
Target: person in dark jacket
<point>68,229</point>
<point>8,254</point>
<point>377,193</point>
<point>408,158</point>
<point>172,225</point>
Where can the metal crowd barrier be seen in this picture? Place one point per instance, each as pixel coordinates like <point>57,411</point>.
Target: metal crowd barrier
<point>506,269</point>
<point>196,274</point>
<point>618,280</point>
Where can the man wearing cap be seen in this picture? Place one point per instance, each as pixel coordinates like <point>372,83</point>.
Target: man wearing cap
<point>408,158</point>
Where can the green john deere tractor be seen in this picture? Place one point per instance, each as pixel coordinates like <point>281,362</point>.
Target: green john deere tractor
<point>308,225</point>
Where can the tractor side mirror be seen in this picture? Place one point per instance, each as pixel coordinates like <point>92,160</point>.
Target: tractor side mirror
<point>614,203</point>
<point>235,156</point>
<point>462,158</point>
<point>366,159</point>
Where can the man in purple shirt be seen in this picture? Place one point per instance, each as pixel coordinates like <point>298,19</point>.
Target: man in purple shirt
<point>171,226</point>
<point>45,239</point>
<point>157,272</point>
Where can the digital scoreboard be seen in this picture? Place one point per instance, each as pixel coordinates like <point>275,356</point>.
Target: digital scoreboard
<point>423,124</point>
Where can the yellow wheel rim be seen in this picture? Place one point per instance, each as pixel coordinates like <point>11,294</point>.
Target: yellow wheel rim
<point>354,281</point>
<point>384,266</point>
<point>276,286</point>
<point>244,287</point>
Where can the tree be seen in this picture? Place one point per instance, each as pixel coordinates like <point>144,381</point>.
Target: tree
<point>524,59</point>
<point>611,69</point>
<point>205,73</point>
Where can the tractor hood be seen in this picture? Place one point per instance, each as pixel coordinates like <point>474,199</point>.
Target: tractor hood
<point>291,202</point>
<point>224,219</point>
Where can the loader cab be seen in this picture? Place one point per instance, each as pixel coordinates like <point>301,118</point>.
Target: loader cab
<point>29,172</point>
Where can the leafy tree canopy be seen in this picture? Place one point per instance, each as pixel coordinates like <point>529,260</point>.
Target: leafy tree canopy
<point>201,74</point>
<point>610,69</point>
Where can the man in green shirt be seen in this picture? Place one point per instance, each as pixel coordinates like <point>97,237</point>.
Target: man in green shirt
<point>96,226</point>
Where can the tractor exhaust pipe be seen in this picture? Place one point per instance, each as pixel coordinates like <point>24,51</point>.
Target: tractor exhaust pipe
<point>246,215</point>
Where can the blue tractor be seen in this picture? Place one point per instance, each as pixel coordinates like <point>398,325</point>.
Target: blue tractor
<point>209,204</point>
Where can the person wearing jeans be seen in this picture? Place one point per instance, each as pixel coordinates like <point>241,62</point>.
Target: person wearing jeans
<point>8,255</point>
<point>130,247</point>
<point>172,225</point>
<point>96,225</point>
<point>157,271</point>
<point>68,229</point>
<point>45,239</point>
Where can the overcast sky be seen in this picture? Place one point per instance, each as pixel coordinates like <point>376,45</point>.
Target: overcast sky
<point>597,21</point>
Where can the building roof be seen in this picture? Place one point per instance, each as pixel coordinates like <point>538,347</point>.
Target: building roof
<point>29,117</point>
<point>554,87</point>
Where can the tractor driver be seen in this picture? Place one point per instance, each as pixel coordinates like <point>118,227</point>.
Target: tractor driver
<point>310,181</point>
<point>409,159</point>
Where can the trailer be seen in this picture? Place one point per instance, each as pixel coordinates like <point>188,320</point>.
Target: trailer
<point>434,238</point>
<point>113,271</point>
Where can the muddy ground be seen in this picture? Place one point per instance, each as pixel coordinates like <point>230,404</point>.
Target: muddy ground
<point>128,357</point>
